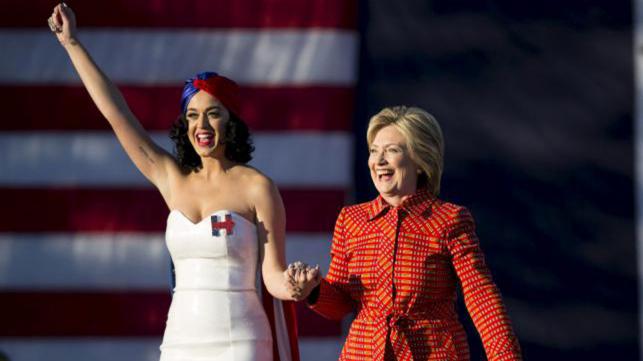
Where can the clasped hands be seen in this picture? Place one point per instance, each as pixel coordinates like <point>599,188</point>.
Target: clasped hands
<point>301,279</point>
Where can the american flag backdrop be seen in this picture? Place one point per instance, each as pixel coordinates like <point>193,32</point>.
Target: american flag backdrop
<point>540,104</point>
<point>83,265</point>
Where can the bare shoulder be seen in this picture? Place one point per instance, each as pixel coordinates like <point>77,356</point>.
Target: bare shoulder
<point>254,181</point>
<point>260,191</point>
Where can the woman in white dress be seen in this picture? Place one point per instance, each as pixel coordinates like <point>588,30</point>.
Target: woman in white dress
<point>226,218</point>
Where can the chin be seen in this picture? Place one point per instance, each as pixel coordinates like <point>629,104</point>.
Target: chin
<point>204,152</point>
<point>385,189</point>
<point>207,153</point>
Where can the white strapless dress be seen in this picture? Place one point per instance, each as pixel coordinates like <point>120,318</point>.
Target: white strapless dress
<point>215,313</point>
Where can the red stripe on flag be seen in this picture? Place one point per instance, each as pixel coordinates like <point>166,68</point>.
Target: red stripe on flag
<point>340,14</point>
<point>263,108</point>
<point>83,314</point>
<point>142,209</point>
<point>115,313</point>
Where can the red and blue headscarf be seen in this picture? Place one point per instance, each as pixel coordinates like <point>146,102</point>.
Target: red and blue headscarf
<point>220,87</point>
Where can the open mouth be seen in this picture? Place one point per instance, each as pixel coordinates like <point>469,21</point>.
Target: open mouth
<point>205,139</point>
<point>384,174</point>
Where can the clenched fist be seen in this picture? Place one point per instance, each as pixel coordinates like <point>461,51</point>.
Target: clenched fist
<point>62,22</point>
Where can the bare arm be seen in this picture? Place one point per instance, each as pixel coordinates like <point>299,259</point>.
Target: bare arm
<point>271,229</point>
<point>148,157</point>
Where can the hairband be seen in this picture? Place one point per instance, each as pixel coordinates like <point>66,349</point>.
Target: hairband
<point>220,87</point>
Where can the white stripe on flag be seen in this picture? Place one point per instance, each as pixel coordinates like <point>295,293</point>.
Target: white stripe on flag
<point>134,56</point>
<point>82,349</point>
<point>91,261</point>
<point>131,349</point>
<point>320,159</point>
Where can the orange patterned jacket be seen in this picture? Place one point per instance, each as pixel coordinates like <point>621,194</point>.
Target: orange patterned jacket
<point>398,268</point>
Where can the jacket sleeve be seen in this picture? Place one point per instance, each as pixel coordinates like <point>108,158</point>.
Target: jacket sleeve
<point>333,299</point>
<point>481,295</point>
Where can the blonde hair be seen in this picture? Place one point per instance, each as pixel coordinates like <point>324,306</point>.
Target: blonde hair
<point>423,136</point>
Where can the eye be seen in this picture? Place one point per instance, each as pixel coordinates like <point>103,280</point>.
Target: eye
<point>214,114</point>
<point>372,151</point>
<point>394,150</point>
<point>191,115</point>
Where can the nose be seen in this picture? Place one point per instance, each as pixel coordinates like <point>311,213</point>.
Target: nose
<point>203,122</point>
<point>381,160</point>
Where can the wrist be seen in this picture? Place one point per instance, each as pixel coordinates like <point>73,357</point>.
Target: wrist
<point>70,43</point>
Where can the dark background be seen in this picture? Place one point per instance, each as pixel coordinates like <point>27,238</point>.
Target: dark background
<point>536,103</point>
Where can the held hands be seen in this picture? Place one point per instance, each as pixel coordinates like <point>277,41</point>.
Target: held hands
<point>301,279</point>
<point>62,22</point>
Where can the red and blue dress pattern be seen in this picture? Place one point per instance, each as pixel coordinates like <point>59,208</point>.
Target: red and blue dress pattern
<point>398,268</point>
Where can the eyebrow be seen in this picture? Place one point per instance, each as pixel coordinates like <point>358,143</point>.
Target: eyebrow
<point>217,107</point>
<point>386,145</point>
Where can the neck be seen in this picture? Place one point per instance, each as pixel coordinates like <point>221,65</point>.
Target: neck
<point>397,199</point>
<point>214,166</point>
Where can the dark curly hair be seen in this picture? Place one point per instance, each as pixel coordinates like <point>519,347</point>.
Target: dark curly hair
<point>237,140</point>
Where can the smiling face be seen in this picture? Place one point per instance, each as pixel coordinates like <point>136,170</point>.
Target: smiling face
<point>206,118</point>
<point>393,172</point>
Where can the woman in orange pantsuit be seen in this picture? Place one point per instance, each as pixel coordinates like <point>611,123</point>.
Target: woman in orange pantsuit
<point>396,260</point>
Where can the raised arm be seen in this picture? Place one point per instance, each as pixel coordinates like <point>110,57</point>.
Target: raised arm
<point>149,158</point>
